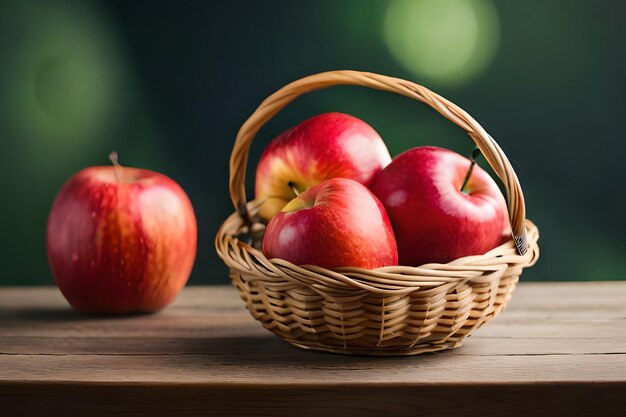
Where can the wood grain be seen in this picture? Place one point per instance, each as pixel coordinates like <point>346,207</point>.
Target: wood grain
<point>559,349</point>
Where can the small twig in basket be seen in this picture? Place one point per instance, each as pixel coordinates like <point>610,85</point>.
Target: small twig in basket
<point>254,228</point>
<point>475,154</point>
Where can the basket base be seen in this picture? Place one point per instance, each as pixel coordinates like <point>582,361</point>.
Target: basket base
<point>415,350</point>
<point>387,312</point>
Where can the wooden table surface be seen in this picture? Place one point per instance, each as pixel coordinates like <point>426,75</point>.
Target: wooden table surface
<point>559,348</point>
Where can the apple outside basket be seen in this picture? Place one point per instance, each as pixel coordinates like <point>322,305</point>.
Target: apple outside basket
<point>395,310</point>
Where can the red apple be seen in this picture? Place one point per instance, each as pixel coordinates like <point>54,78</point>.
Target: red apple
<point>121,240</point>
<point>326,146</point>
<point>433,220</point>
<point>336,223</point>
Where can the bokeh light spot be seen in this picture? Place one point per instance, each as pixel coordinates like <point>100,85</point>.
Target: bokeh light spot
<point>448,42</point>
<point>58,87</point>
<point>63,79</point>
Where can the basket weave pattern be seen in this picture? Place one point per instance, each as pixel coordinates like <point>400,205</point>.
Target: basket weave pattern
<point>396,310</point>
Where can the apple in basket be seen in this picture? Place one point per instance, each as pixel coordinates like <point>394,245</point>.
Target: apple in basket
<point>336,223</point>
<point>121,240</point>
<point>326,146</point>
<point>441,205</point>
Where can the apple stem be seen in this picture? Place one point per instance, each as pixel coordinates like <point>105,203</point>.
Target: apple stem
<point>119,169</point>
<point>475,154</point>
<point>293,188</point>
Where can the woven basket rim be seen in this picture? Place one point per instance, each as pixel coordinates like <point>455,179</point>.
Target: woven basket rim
<point>389,279</point>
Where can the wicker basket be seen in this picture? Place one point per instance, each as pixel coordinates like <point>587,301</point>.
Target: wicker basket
<point>397,310</point>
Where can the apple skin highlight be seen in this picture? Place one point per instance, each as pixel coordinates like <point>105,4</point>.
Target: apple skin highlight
<point>326,146</point>
<point>433,220</point>
<point>121,245</point>
<point>337,223</point>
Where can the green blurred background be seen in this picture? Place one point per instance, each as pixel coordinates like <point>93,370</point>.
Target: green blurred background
<point>167,84</point>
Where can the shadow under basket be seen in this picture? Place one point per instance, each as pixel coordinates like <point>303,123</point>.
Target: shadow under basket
<point>397,310</point>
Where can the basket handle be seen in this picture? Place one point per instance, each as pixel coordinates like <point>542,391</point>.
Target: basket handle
<point>281,98</point>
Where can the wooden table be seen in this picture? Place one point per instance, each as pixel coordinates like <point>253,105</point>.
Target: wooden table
<point>559,348</point>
